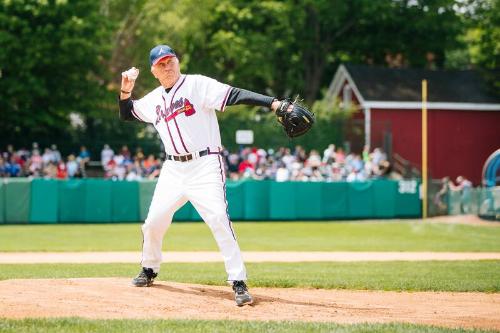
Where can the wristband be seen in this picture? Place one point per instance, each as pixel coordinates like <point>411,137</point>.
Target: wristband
<point>126,92</point>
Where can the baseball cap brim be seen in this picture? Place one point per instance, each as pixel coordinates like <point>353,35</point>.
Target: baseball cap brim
<point>161,58</point>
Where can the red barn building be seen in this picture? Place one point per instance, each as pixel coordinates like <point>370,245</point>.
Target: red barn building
<point>463,115</point>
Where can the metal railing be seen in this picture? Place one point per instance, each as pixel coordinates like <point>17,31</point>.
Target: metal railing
<point>404,167</point>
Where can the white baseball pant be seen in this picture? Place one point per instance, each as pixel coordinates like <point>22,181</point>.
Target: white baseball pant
<point>201,181</point>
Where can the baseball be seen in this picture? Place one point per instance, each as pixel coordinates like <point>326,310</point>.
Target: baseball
<point>131,74</point>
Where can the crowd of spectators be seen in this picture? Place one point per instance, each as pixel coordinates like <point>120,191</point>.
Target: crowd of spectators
<point>52,165</point>
<point>49,164</point>
<point>283,164</point>
<point>127,166</point>
<point>286,164</point>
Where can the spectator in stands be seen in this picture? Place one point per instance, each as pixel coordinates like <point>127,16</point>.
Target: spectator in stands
<point>329,154</point>
<point>3,167</point>
<point>119,170</point>
<point>378,156</point>
<point>154,171</point>
<point>295,170</point>
<point>252,157</point>
<point>316,175</point>
<point>125,153</point>
<point>149,164</point>
<point>233,162</point>
<point>139,154</point>
<point>465,186</point>
<point>56,155</point>
<point>109,168</point>
<point>357,163</point>
<point>24,154</point>
<point>260,170</point>
<point>366,154</point>
<point>336,172</point>
<point>282,174</point>
<point>47,157</point>
<point>106,155</point>
<point>441,197</point>
<point>300,154</point>
<point>134,170</point>
<point>62,170</point>
<point>340,156</point>
<point>35,164</point>
<point>13,168</point>
<point>50,171</point>
<point>8,153</point>
<point>245,169</point>
<point>288,158</point>
<point>272,165</point>
<point>83,159</point>
<point>314,160</point>
<point>73,167</point>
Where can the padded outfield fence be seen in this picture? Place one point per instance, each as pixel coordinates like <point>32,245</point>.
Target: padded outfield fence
<point>98,200</point>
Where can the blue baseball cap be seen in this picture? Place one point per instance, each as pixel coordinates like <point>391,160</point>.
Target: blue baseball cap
<point>159,52</point>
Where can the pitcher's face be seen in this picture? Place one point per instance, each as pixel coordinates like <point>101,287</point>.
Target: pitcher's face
<point>167,71</point>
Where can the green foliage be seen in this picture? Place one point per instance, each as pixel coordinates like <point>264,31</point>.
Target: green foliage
<point>58,57</point>
<point>259,236</point>
<point>479,42</point>
<point>51,61</point>
<point>245,44</point>
<point>489,43</point>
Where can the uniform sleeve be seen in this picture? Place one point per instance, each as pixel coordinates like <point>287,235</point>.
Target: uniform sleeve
<point>214,93</point>
<point>144,109</point>
<point>246,97</point>
<point>126,107</point>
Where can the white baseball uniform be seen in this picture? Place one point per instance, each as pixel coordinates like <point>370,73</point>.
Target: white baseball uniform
<point>186,120</point>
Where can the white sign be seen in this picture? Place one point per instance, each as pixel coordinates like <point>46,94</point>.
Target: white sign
<point>407,186</point>
<point>244,137</point>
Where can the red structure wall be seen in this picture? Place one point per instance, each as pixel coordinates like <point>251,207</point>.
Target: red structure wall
<point>459,142</point>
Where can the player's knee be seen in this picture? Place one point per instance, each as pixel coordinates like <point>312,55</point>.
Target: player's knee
<point>218,218</point>
<point>220,222</point>
<point>152,225</point>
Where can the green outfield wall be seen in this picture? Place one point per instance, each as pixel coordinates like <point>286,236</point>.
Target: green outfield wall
<point>98,200</point>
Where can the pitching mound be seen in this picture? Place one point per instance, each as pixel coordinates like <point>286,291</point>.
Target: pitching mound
<point>106,298</point>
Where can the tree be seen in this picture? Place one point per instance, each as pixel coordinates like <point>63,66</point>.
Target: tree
<point>488,44</point>
<point>51,62</point>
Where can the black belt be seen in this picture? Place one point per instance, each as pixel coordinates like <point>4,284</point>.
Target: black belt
<point>189,157</point>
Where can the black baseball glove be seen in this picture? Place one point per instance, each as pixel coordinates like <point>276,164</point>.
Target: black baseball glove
<point>296,122</point>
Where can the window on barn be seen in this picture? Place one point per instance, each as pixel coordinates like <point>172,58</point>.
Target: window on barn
<point>347,96</point>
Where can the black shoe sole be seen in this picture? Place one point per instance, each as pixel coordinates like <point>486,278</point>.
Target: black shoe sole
<point>245,303</point>
<point>142,285</point>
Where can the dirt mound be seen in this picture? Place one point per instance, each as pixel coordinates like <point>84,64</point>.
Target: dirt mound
<point>463,219</point>
<point>104,298</point>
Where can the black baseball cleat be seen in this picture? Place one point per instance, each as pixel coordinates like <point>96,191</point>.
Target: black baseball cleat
<point>145,278</point>
<point>241,294</point>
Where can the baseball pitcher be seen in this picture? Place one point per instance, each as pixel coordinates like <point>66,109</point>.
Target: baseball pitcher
<point>183,111</point>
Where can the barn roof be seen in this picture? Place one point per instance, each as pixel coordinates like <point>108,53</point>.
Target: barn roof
<point>404,85</point>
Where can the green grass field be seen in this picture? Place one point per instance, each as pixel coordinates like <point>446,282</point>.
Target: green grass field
<point>259,236</point>
<point>466,276</point>
<point>203,326</point>
<point>481,276</point>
